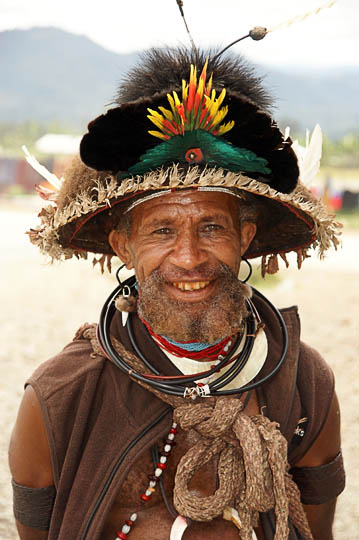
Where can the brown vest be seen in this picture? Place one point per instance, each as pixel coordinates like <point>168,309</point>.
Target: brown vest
<point>95,415</point>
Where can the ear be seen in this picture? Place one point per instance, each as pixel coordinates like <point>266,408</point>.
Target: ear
<point>118,240</point>
<point>248,232</point>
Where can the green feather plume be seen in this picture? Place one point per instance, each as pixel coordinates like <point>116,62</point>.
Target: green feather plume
<point>216,152</point>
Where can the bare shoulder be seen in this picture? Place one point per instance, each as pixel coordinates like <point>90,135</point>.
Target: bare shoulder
<point>29,453</point>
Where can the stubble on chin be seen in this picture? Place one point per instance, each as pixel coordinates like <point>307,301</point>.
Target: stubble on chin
<point>218,317</point>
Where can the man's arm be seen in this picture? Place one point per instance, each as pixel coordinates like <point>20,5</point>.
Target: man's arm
<point>323,451</point>
<point>29,455</point>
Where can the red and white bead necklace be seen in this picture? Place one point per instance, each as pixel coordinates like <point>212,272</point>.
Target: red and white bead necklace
<point>191,349</point>
<point>153,481</point>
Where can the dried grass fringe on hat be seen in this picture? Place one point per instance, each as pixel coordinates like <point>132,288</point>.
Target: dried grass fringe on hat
<point>294,222</point>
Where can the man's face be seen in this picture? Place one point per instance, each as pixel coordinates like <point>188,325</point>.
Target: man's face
<point>185,240</point>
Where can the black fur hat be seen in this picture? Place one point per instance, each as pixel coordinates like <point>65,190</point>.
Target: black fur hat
<point>116,140</point>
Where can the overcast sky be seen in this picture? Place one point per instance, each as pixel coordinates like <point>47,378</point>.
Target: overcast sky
<point>330,38</point>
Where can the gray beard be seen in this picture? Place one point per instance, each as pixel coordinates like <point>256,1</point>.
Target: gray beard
<point>218,317</point>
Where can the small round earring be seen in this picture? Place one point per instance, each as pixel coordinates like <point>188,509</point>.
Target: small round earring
<point>250,271</point>
<point>126,301</point>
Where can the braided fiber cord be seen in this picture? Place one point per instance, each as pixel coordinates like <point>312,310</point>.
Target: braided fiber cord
<point>252,468</point>
<point>251,453</point>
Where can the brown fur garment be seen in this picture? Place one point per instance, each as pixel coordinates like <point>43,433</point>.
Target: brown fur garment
<point>78,178</point>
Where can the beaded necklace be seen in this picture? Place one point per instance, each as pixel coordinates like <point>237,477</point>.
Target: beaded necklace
<point>191,349</point>
<point>154,479</point>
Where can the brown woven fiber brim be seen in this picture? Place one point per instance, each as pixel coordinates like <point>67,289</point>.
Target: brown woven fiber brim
<point>83,219</point>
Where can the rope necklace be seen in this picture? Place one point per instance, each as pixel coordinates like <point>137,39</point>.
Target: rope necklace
<point>155,480</point>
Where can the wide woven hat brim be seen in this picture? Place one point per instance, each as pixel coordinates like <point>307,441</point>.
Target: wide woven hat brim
<point>280,229</point>
<point>81,222</point>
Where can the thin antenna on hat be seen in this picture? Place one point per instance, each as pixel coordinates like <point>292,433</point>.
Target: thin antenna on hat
<point>300,18</point>
<point>259,32</point>
<point>180,7</point>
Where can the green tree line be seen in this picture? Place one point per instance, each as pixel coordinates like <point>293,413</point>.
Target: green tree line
<point>343,152</point>
<point>13,136</point>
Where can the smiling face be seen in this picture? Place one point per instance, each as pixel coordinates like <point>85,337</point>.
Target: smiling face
<point>186,238</point>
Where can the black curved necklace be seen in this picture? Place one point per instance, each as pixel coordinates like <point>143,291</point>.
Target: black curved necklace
<point>186,386</point>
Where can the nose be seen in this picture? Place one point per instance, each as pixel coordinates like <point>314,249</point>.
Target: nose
<point>187,252</point>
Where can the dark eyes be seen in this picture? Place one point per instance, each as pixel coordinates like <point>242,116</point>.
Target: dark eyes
<point>163,230</point>
<point>212,227</point>
<point>204,228</point>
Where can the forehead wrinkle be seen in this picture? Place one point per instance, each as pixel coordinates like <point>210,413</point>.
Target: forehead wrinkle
<point>155,222</point>
<point>215,217</point>
<point>176,216</point>
<point>199,207</point>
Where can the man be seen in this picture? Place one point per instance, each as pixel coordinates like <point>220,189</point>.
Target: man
<point>196,356</point>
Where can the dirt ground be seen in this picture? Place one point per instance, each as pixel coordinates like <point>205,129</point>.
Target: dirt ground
<point>43,305</point>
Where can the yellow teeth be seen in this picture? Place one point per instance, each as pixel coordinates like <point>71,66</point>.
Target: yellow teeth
<point>190,286</point>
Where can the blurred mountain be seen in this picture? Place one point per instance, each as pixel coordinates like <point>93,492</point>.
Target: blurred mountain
<point>48,75</point>
<point>325,96</point>
<point>52,76</point>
